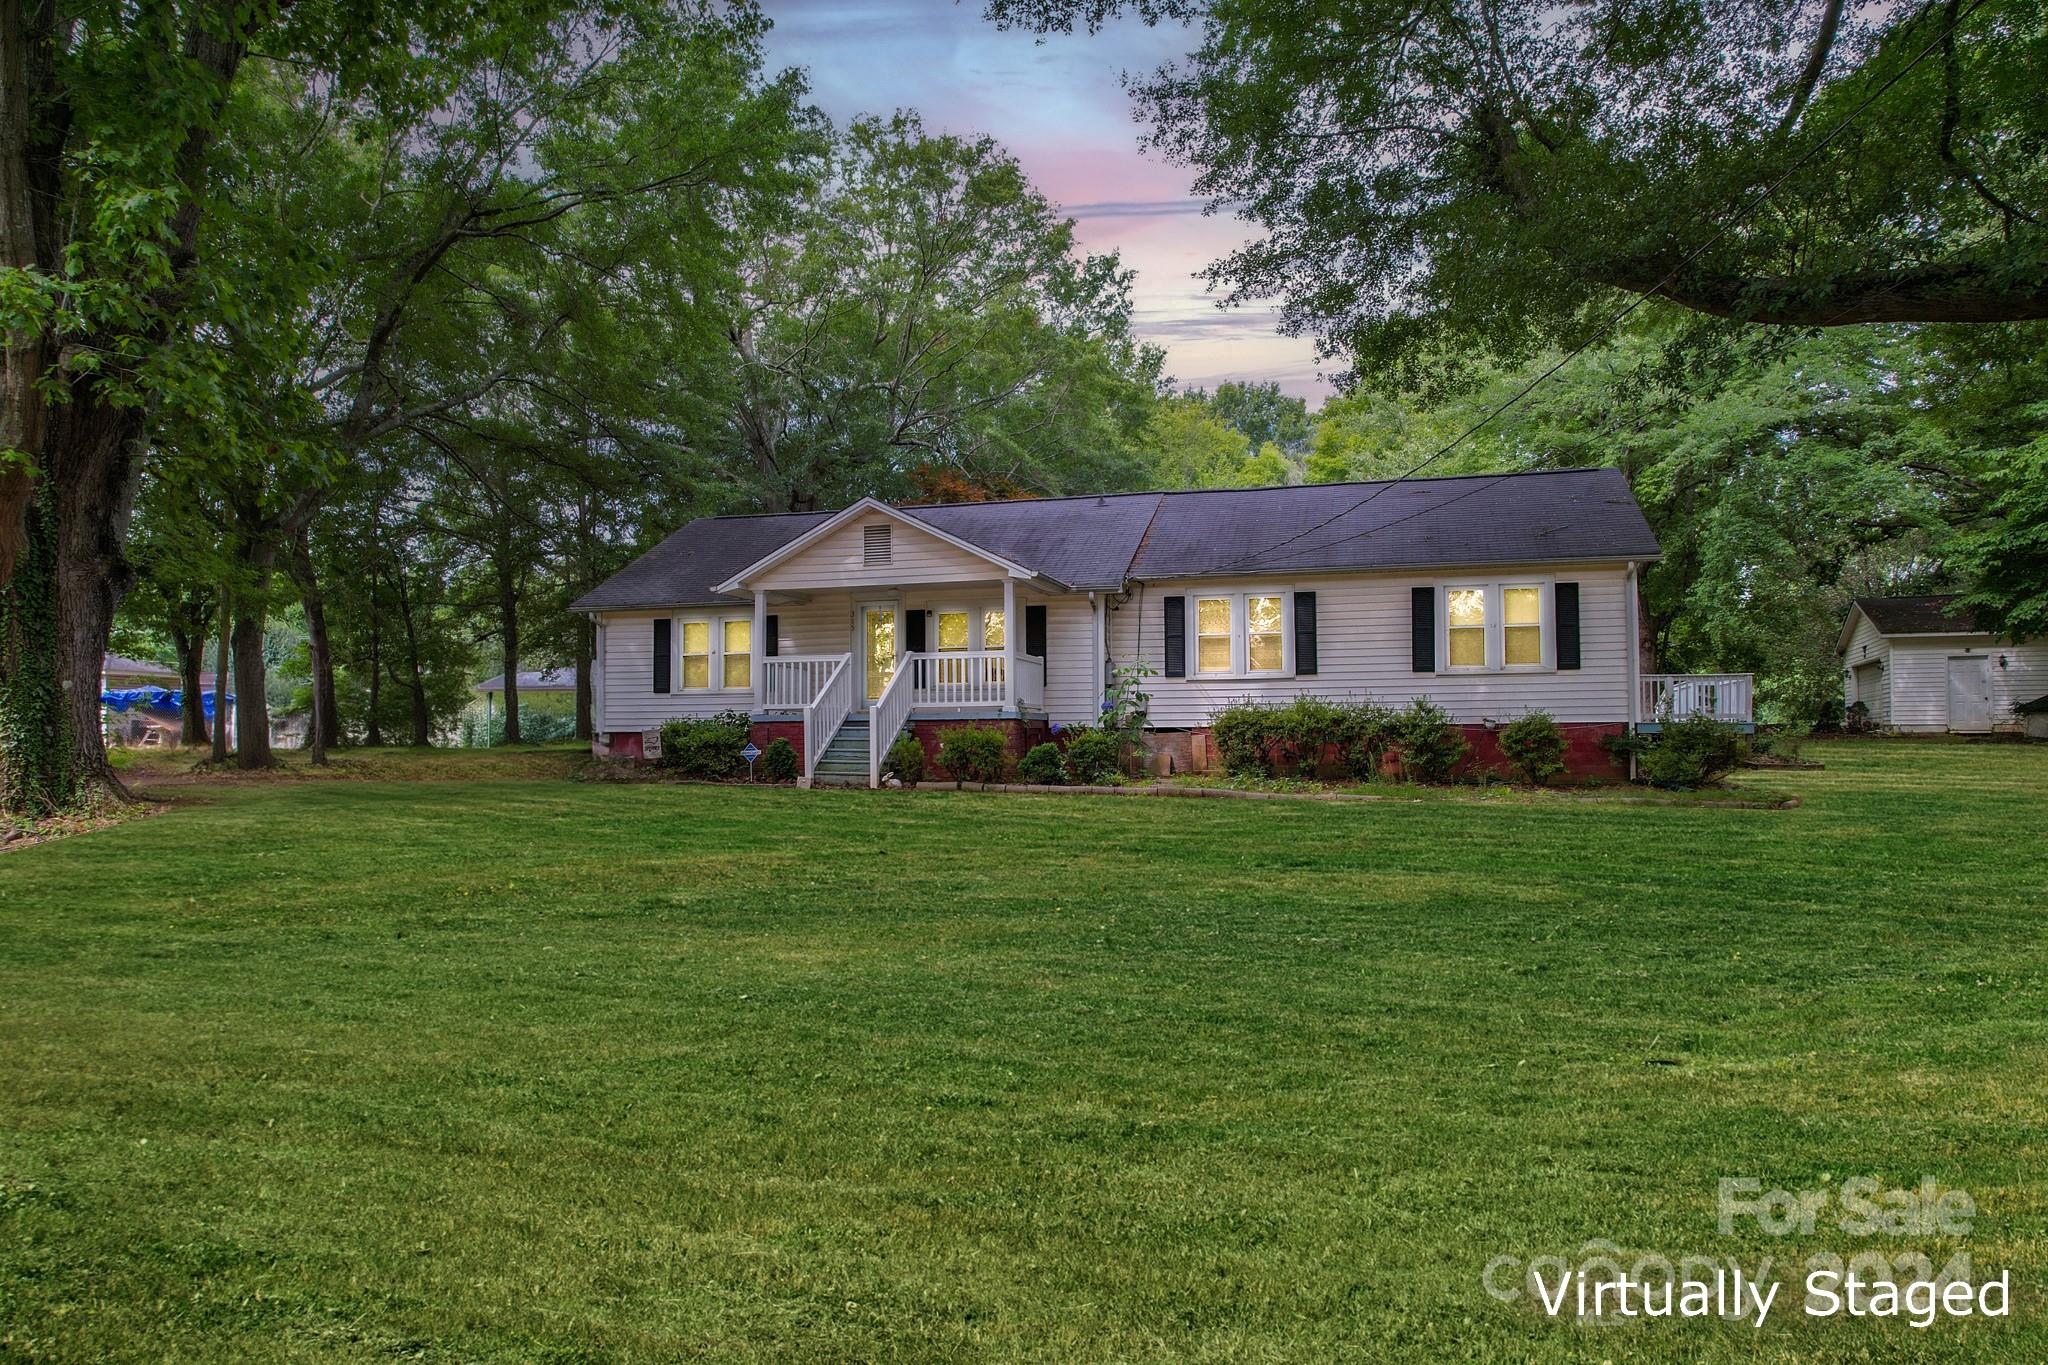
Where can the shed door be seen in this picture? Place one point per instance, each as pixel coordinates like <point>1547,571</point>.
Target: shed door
<point>1969,694</point>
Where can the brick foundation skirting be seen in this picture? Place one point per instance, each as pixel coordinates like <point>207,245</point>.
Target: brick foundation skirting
<point>1585,755</point>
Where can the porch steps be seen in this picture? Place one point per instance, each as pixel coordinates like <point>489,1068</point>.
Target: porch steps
<point>845,760</point>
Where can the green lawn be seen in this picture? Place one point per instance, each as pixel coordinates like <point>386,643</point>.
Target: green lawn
<point>551,1071</point>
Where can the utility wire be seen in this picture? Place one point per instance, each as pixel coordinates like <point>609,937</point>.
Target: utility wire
<point>1742,212</point>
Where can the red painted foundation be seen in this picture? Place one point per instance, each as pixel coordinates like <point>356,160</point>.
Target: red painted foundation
<point>1586,758</point>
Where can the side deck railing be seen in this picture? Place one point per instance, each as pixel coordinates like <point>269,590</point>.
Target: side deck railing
<point>1727,697</point>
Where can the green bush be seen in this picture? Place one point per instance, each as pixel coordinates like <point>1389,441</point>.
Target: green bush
<point>905,760</point>
<point>1369,733</point>
<point>974,753</point>
<point>1430,745</point>
<point>1535,745</point>
<point>1243,735</point>
<point>778,761</point>
<point>705,748</point>
<point>1253,738</point>
<point>1694,752</point>
<point>1043,766</point>
<point>1093,756</point>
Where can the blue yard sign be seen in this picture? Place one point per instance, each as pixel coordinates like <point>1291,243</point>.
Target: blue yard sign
<point>750,753</point>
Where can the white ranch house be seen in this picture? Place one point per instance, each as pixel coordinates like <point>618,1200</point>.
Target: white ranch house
<point>1921,665</point>
<point>1492,595</point>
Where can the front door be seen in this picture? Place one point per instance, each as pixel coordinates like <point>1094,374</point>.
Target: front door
<point>1969,694</point>
<point>878,647</point>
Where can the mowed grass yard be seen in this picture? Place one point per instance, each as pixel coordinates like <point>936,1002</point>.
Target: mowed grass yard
<point>539,1070</point>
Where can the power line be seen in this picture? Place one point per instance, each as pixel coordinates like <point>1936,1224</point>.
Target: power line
<point>1755,201</point>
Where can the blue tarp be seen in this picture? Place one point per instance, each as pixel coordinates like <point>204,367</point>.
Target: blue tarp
<point>156,699</point>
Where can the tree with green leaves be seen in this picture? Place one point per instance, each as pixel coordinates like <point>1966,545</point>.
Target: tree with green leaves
<point>920,309</point>
<point>1441,185</point>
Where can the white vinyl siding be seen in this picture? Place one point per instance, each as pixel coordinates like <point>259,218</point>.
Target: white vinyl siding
<point>1867,646</point>
<point>1363,625</point>
<point>841,559</point>
<point>1073,695</point>
<point>1918,669</point>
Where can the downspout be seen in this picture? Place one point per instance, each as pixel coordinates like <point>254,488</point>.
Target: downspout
<point>1635,663</point>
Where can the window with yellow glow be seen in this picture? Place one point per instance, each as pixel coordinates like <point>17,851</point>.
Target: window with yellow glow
<point>992,630</point>
<point>1212,634</point>
<point>953,630</point>
<point>739,653</point>
<point>1465,616</point>
<point>696,654</point>
<point>1521,615</point>
<point>1264,649</point>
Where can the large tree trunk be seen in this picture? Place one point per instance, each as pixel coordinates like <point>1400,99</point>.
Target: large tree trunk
<point>95,454</point>
<point>323,731</point>
<point>508,634</point>
<point>189,635</point>
<point>422,723</point>
<point>373,732</point>
<point>252,706</point>
<point>35,767</point>
<point>222,708</point>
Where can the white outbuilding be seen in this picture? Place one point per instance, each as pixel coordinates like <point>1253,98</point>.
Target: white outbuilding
<point>1922,665</point>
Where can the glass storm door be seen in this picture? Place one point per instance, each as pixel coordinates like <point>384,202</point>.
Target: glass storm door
<point>877,646</point>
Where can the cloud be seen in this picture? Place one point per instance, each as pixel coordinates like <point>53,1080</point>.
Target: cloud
<point>1135,208</point>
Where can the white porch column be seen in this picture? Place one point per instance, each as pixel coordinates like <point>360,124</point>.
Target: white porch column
<point>1010,628</point>
<point>758,669</point>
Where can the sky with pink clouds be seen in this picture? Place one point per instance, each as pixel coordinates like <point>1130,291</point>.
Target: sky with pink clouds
<point>1060,107</point>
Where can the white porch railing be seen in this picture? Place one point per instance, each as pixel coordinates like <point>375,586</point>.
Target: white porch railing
<point>887,713</point>
<point>1680,696</point>
<point>973,677</point>
<point>828,710</point>
<point>789,681</point>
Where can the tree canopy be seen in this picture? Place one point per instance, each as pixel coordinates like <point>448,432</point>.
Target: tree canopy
<point>1444,185</point>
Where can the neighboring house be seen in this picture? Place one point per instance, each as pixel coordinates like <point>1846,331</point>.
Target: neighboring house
<point>532,682</point>
<point>1492,595</point>
<point>1922,665</point>
<point>139,702</point>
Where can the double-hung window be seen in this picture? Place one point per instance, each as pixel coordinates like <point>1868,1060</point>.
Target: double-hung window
<point>1494,626</point>
<point>696,655</point>
<point>1241,634</point>
<point>1214,645</point>
<point>1521,625</point>
<point>1465,626</point>
<point>953,631</point>
<point>739,652</point>
<point>717,654</point>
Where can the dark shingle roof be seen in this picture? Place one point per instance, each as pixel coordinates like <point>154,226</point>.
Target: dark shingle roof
<point>683,569</point>
<point>1416,524</point>
<point>1935,614</point>
<point>1104,542</point>
<point>1082,542</point>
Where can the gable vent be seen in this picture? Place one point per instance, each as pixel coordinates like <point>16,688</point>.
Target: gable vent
<point>874,544</point>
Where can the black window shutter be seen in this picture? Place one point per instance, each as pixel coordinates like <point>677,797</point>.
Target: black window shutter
<point>662,629</point>
<point>1422,629</point>
<point>913,632</point>
<point>1304,632</point>
<point>1176,637</point>
<point>1034,631</point>
<point>1567,625</point>
<point>772,646</point>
